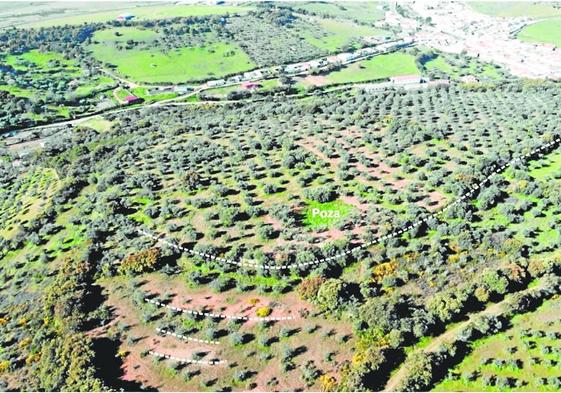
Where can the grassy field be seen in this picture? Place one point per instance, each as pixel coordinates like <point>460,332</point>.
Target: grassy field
<point>516,8</point>
<point>36,60</point>
<point>143,93</point>
<point>378,67</point>
<point>180,65</point>
<point>142,13</point>
<point>528,353</point>
<point>16,91</point>
<point>547,31</point>
<point>338,33</point>
<point>551,169</point>
<point>97,123</point>
<point>98,83</point>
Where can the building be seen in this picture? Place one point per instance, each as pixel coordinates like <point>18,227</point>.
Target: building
<point>345,57</point>
<point>235,79</point>
<point>253,75</point>
<point>130,99</point>
<point>292,68</point>
<point>125,17</point>
<point>438,82</point>
<point>250,85</point>
<point>406,79</point>
<point>469,79</point>
<point>182,89</point>
<point>215,83</point>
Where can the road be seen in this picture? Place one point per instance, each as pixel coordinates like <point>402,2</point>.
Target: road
<point>362,54</point>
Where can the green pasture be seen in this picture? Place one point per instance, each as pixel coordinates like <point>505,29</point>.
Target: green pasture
<point>546,31</point>
<point>379,67</point>
<point>180,65</point>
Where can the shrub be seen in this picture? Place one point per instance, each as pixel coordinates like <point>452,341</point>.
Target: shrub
<point>140,262</point>
<point>309,287</point>
<point>331,294</point>
<point>263,312</point>
<point>321,194</point>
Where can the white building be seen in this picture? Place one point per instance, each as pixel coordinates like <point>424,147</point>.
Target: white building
<point>406,79</point>
<point>215,83</point>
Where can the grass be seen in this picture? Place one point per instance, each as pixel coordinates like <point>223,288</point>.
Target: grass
<point>35,59</point>
<point>143,93</point>
<point>180,65</point>
<point>379,67</point>
<point>516,8</point>
<point>97,123</point>
<point>16,91</point>
<point>547,31</point>
<point>121,93</point>
<point>142,13</point>
<point>312,220</point>
<point>99,83</point>
<point>550,169</point>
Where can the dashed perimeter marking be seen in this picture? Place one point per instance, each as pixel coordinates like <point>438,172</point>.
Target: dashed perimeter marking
<point>212,315</point>
<point>181,360</point>
<point>182,337</point>
<point>395,233</point>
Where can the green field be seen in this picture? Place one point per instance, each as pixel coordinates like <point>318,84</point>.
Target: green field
<point>339,33</point>
<point>551,168</point>
<point>35,60</point>
<point>516,8</point>
<point>97,123</point>
<point>180,65</point>
<point>143,93</point>
<point>546,31</point>
<point>142,13</point>
<point>16,91</point>
<point>316,220</point>
<point>379,67</point>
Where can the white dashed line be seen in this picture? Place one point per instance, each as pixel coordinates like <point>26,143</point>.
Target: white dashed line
<point>222,316</point>
<point>182,337</point>
<point>256,265</point>
<point>181,360</point>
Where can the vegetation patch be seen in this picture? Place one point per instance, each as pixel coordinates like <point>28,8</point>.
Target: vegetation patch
<point>379,67</point>
<point>178,65</point>
<point>546,31</point>
<point>326,214</point>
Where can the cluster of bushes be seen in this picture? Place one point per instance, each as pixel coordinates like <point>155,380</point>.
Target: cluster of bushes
<point>143,261</point>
